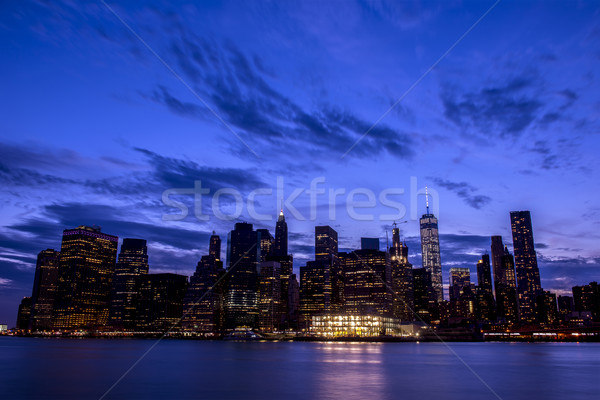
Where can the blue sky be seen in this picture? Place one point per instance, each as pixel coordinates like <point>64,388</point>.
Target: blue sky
<point>94,127</point>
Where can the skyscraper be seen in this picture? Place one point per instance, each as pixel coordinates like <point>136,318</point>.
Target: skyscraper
<point>269,296</point>
<point>367,274</point>
<point>44,289</point>
<point>460,278</point>
<point>430,250</point>
<point>315,291</point>
<point>286,261</point>
<point>528,274</point>
<point>214,246</point>
<point>280,246</point>
<point>203,302</point>
<point>486,307</point>
<point>401,279</point>
<point>425,300</point>
<point>24,314</point>
<point>326,252</point>
<point>266,242</point>
<point>86,268</point>
<point>243,256</point>
<point>506,289</point>
<point>132,263</point>
<point>497,253</point>
<point>160,301</point>
<point>548,310</point>
<point>587,298</point>
<point>326,243</point>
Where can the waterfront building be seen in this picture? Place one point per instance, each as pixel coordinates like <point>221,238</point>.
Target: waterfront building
<point>160,302</point>
<point>528,274</point>
<point>132,263</point>
<point>85,272</point>
<point>44,290</point>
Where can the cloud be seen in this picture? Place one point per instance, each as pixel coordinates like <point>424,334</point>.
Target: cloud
<point>505,110</point>
<point>5,282</point>
<point>271,122</point>
<point>465,191</point>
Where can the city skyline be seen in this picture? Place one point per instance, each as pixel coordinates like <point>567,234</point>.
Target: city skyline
<point>96,128</point>
<point>84,285</point>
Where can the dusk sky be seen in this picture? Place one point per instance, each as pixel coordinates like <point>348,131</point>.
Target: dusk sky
<point>104,106</point>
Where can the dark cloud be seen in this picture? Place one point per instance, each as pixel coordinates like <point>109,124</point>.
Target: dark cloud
<point>504,110</point>
<point>172,172</point>
<point>465,191</point>
<point>237,88</point>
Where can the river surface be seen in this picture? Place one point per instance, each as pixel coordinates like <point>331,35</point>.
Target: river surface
<point>36,368</point>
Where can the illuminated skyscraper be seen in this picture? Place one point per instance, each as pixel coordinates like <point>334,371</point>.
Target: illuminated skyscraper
<point>160,301</point>
<point>430,250</point>
<point>280,246</point>
<point>460,278</point>
<point>401,279</point>
<point>203,302</point>
<point>132,263</point>
<point>44,289</point>
<point>266,244</point>
<point>326,243</point>
<point>315,291</point>
<point>548,310</point>
<point>528,274</point>
<point>367,274</point>
<point>86,268</point>
<point>243,256</point>
<point>326,251</point>
<point>269,296</point>
<point>462,297</point>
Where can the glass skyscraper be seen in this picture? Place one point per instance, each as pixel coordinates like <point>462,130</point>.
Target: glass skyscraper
<point>528,274</point>
<point>430,250</point>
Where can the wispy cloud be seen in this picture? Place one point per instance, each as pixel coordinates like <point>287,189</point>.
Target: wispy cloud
<point>465,191</point>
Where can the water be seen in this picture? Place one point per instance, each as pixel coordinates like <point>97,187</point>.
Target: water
<point>35,368</point>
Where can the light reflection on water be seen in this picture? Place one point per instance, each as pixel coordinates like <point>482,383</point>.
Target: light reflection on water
<point>81,369</point>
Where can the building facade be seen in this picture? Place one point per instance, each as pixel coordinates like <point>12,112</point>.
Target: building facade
<point>528,274</point>
<point>44,290</point>
<point>85,272</point>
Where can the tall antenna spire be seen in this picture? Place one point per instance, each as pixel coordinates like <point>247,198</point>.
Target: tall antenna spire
<point>427,199</point>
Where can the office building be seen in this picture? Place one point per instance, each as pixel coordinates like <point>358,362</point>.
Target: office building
<point>367,278</point>
<point>44,290</point>
<point>269,296</point>
<point>85,272</point>
<point>160,302</point>
<point>486,306</point>
<point>203,304</point>
<point>280,245</point>
<point>132,263</point>
<point>243,256</point>
<point>401,279</point>
<point>430,250</point>
<point>528,275</point>
<point>24,314</point>
<point>315,291</point>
